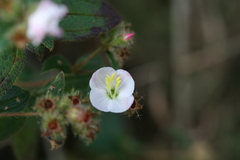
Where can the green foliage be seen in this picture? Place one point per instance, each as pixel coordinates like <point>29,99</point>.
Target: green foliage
<point>94,64</point>
<point>3,41</point>
<point>58,85</point>
<point>57,62</point>
<point>114,63</point>
<point>80,82</point>
<point>9,126</point>
<point>37,50</point>
<point>26,140</point>
<point>87,18</point>
<point>14,100</point>
<point>48,42</point>
<point>12,62</point>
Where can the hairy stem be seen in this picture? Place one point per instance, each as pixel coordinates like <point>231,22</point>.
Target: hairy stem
<point>19,114</point>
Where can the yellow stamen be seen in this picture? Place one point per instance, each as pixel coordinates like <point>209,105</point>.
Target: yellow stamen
<point>109,80</point>
<point>118,80</point>
<point>112,90</point>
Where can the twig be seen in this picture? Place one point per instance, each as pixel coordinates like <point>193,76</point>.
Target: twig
<point>93,54</point>
<point>19,114</point>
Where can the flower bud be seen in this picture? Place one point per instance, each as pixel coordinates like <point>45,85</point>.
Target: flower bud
<point>127,36</point>
<point>55,132</point>
<point>54,125</point>
<point>77,114</point>
<point>135,107</point>
<point>119,40</point>
<point>46,104</point>
<point>76,100</point>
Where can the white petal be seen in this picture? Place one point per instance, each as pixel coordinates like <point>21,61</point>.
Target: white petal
<point>127,85</point>
<point>44,21</point>
<point>99,99</point>
<point>98,79</point>
<point>121,104</point>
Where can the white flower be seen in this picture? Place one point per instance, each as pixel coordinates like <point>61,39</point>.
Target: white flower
<point>45,21</point>
<point>111,91</point>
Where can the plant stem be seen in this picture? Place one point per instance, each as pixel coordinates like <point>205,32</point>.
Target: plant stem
<point>87,59</point>
<point>19,114</point>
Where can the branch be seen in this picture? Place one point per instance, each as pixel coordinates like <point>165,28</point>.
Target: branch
<point>19,114</point>
<point>86,60</point>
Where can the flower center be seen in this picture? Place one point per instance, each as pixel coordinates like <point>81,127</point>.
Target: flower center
<point>112,84</point>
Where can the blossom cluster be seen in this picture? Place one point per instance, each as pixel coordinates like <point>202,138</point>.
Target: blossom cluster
<point>58,112</point>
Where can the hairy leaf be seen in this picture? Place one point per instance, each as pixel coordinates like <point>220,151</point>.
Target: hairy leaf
<point>37,50</point>
<point>78,82</point>
<point>57,62</point>
<point>87,18</point>
<point>14,100</point>
<point>58,85</point>
<point>48,42</point>
<point>12,62</point>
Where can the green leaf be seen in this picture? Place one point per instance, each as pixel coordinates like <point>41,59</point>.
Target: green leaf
<point>87,18</point>
<point>37,50</point>
<point>14,100</point>
<point>4,43</point>
<point>57,62</point>
<point>78,82</point>
<point>48,42</point>
<point>94,64</point>
<point>58,85</point>
<point>9,126</point>
<point>113,61</point>
<point>26,140</point>
<point>12,62</point>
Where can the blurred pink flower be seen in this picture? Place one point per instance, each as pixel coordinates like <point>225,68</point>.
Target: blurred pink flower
<point>128,36</point>
<point>44,21</point>
<point>111,91</point>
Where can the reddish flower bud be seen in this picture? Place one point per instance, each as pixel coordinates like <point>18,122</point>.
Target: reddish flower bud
<point>77,114</point>
<point>128,36</point>
<point>76,100</point>
<point>54,125</point>
<point>135,106</point>
<point>46,104</point>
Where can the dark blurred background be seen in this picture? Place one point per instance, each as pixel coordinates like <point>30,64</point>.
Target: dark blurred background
<point>186,66</point>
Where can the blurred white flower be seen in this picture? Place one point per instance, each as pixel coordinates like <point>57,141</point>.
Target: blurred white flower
<point>111,91</point>
<point>44,21</point>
